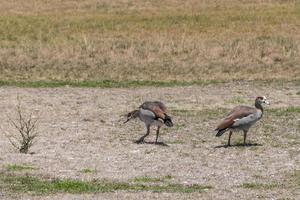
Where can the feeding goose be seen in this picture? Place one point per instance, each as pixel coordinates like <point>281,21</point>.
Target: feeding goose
<point>242,118</point>
<point>152,113</point>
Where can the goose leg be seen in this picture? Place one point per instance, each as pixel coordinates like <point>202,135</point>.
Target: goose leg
<point>141,140</point>
<point>230,133</point>
<point>245,136</point>
<point>157,132</point>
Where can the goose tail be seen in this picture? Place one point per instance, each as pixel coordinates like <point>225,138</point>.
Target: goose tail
<point>220,132</point>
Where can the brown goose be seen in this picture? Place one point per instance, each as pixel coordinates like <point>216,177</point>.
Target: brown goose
<point>242,118</point>
<point>152,113</point>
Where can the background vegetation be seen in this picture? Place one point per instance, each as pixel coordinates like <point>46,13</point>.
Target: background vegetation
<point>166,40</point>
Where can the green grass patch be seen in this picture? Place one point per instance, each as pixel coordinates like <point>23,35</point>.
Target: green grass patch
<point>124,84</point>
<point>102,84</point>
<point>237,100</point>
<point>184,112</point>
<point>283,111</point>
<point>87,170</point>
<point>208,113</point>
<point>14,167</point>
<point>259,186</point>
<point>296,176</point>
<point>25,184</point>
<point>176,142</point>
<point>215,113</point>
<point>293,109</point>
<point>147,179</point>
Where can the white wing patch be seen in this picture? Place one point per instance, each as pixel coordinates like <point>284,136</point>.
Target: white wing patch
<point>245,121</point>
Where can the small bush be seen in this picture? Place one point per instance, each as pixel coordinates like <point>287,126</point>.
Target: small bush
<point>26,130</point>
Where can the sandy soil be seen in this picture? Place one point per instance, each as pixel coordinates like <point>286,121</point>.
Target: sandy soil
<point>83,128</point>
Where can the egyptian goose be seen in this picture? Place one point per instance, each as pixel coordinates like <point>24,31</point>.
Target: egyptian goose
<point>152,113</point>
<point>242,118</point>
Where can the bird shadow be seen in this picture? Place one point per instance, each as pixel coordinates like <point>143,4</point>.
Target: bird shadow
<point>156,143</point>
<point>239,145</point>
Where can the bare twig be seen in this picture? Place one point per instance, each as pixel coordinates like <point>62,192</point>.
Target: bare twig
<point>26,130</point>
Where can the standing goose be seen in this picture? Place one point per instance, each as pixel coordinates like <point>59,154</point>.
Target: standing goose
<point>151,113</point>
<point>242,118</point>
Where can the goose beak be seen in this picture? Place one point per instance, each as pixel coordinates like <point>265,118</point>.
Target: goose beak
<point>267,102</point>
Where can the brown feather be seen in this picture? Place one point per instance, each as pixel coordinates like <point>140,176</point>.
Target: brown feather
<point>237,113</point>
<point>158,108</point>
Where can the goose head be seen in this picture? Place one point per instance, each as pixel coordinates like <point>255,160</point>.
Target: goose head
<point>259,101</point>
<point>132,115</point>
<point>168,121</point>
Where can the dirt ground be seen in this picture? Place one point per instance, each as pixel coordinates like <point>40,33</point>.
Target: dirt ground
<point>83,128</point>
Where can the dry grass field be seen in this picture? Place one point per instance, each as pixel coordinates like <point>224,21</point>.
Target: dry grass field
<point>149,40</point>
<point>79,66</point>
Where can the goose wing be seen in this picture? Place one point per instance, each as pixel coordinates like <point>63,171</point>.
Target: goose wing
<point>156,107</point>
<point>239,116</point>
